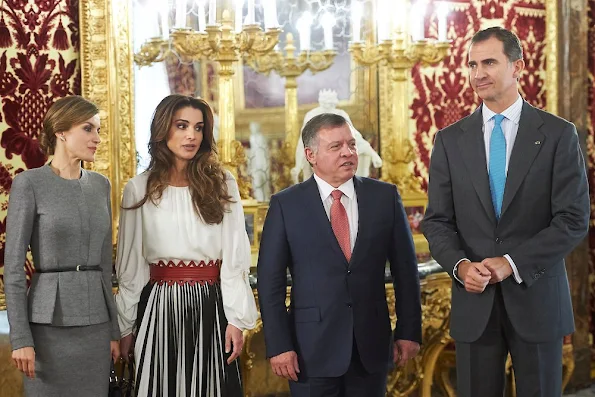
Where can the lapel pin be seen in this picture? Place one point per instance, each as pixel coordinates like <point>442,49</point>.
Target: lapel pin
<point>538,142</point>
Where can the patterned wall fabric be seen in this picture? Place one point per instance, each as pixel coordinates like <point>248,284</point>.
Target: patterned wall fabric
<point>39,63</point>
<point>591,156</point>
<point>442,94</point>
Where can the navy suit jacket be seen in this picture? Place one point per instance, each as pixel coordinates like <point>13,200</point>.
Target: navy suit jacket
<point>332,300</point>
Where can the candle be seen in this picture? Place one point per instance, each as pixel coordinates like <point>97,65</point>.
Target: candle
<point>212,12</point>
<point>418,18</point>
<point>164,17</point>
<point>356,21</point>
<point>399,11</point>
<point>383,20</point>
<point>442,12</point>
<point>270,14</point>
<point>180,13</point>
<point>327,21</point>
<point>238,14</point>
<point>202,17</point>
<point>304,25</point>
<point>250,16</point>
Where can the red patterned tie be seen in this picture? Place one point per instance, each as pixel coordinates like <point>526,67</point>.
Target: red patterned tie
<point>340,223</point>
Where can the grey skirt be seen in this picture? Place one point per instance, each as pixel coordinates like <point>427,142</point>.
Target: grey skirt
<point>70,361</point>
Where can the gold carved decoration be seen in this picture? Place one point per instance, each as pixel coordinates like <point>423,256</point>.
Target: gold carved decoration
<point>290,67</point>
<point>396,58</point>
<point>107,80</point>
<point>552,50</point>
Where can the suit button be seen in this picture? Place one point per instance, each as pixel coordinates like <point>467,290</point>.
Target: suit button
<point>498,241</point>
<point>348,271</point>
<point>349,305</point>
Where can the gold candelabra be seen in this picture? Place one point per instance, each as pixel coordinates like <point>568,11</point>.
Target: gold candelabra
<point>222,44</point>
<point>399,56</point>
<point>290,67</point>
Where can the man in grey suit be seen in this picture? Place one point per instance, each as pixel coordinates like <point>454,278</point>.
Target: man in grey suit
<point>508,200</point>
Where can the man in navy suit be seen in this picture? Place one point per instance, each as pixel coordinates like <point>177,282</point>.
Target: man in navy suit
<point>335,233</point>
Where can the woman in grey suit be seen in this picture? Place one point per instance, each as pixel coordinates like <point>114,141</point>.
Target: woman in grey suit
<point>64,329</point>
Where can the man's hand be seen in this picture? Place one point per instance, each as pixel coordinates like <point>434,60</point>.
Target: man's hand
<point>499,268</point>
<point>286,365</point>
<point>475,276</point>
<point>403,350</point>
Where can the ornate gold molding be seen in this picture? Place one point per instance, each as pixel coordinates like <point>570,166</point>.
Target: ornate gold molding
<point>107,80</point>
<point>552,51</point>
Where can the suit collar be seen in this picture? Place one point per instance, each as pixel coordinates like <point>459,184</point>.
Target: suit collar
<point>326,189</point>
<point>472,150</point>
<point>312,200</point>
<point>528,142</point>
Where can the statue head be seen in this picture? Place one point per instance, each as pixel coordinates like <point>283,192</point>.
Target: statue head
<point>328,99</point>
<point>254,127</point>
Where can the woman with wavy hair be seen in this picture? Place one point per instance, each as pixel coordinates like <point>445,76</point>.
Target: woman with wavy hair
<point>183,261</point>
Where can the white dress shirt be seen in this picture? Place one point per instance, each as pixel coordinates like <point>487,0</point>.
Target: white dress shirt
<point>349,201</point>
<point>510,128</point>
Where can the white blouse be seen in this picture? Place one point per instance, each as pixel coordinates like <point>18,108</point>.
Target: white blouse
<point>172,231</point>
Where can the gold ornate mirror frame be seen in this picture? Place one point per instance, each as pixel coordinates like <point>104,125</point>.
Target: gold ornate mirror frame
<point>107,80</point>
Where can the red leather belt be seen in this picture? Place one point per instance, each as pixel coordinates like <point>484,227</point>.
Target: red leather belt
<point>185,273</point>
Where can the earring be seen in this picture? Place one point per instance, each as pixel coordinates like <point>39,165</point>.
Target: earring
<point>62,138</point>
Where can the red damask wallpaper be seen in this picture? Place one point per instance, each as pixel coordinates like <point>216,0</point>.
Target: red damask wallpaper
<point>39,63</point>
<point>442,94</point>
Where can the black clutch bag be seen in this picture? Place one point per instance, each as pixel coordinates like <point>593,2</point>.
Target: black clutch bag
<point>122,385</point>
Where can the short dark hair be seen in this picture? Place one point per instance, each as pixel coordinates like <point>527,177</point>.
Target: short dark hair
<point>317,123</point>
<point>512,45</point>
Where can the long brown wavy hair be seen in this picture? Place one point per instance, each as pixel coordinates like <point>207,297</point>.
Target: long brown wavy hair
<point>204,172</point>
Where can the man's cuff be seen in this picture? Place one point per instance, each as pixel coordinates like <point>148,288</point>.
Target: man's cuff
<point>454,271</point>
<point>515,271</point>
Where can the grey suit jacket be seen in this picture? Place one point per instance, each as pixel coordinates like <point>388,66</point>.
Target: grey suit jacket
<point>66,223</point>
<point>545,214</point>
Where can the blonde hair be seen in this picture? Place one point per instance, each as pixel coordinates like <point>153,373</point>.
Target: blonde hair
<point>63,115</point>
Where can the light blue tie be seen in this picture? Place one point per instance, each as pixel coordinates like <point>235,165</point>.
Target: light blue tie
<point>497,165</point>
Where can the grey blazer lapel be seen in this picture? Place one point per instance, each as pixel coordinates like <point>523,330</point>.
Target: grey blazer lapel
<point>526,146</point>
<point>473,154</point>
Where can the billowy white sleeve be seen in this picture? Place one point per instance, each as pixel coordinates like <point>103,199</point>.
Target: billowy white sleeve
<point>238,299</point>
<point>132,268</point>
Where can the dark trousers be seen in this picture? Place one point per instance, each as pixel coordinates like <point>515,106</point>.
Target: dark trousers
<point>356,382</point>
<point>481,364</point>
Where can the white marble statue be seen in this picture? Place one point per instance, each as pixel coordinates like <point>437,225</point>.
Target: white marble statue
<point>259,164</point>
<point>328,100</point>
<point>215,127</point>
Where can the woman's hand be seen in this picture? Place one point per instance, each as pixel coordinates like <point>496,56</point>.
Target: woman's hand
<point>24,360</point>
<point>127,347</point>
<point>235,337</point>
<point>115,350</point>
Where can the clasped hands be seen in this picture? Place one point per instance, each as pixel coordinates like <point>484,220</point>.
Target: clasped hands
<point>477,275</point>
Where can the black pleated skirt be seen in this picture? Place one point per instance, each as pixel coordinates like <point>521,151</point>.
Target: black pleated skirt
<point>180,343</point>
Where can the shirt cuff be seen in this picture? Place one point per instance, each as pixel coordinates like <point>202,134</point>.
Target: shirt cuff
<point>515,271</point>
<point>454,271</point>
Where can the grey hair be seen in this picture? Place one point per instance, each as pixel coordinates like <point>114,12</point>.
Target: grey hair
<point>317,123</point>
